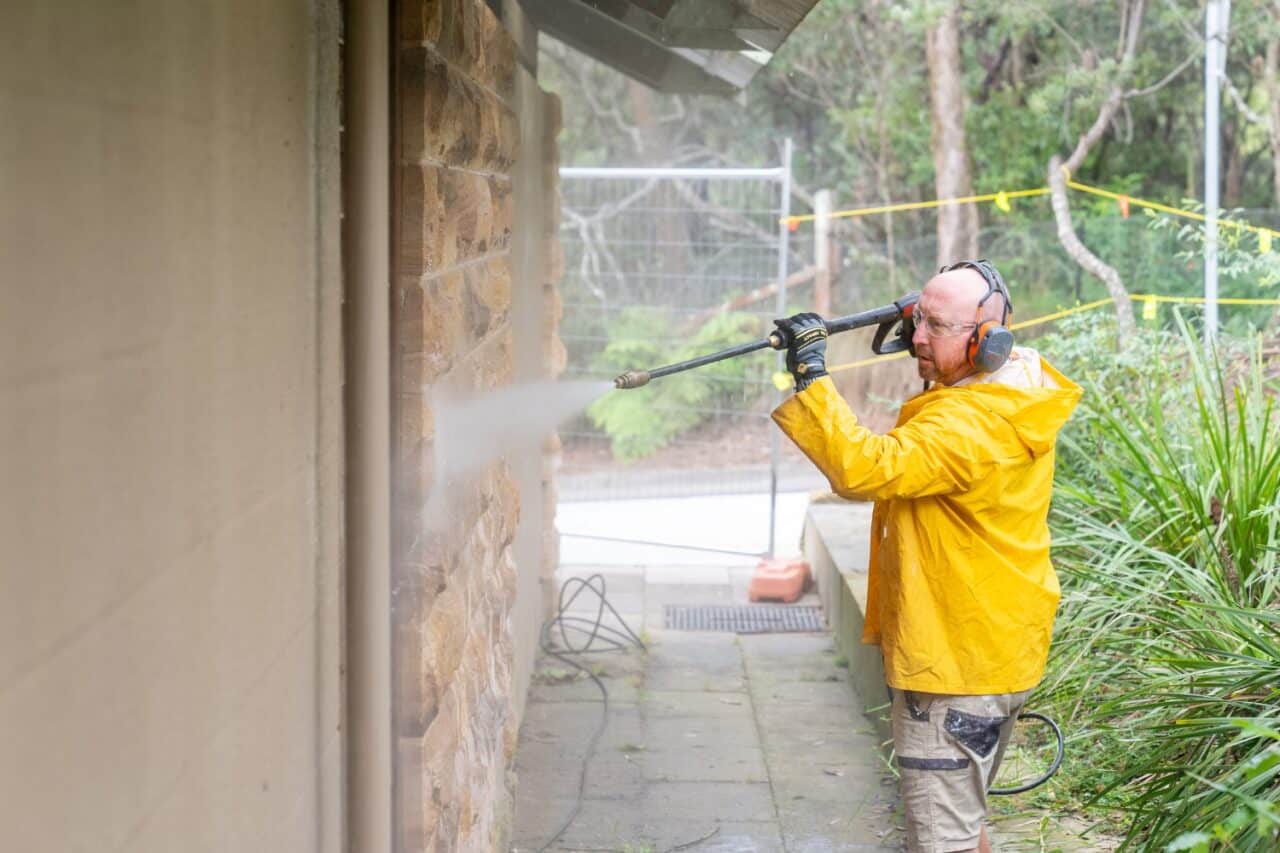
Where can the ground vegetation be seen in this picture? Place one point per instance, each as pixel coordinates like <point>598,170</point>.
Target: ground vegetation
<point>1166,663</point>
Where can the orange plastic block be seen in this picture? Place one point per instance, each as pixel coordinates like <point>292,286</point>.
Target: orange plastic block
<point>779,580</point>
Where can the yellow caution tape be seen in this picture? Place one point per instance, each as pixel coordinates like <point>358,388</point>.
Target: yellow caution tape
<point>1058,315</point>
<point>1002,198</point>
<point>1148,312</point>
<point>917,205</point>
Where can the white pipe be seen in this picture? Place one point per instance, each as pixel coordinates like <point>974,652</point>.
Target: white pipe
<point>1215,53</point>
<point>775,436</point>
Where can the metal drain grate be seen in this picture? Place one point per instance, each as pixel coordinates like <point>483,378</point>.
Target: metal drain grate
<point>757,619</point>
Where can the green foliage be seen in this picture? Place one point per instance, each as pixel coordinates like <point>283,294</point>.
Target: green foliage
<point>1242,266</point>
<point>1166,662</point>
<point>646,419</point>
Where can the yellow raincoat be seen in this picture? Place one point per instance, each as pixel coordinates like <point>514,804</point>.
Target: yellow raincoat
<point>961,595</point>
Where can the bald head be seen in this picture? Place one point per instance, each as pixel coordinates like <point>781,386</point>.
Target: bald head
<point>954,295</point>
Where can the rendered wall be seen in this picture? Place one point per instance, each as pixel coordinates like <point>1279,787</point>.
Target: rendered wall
<point>474,310</point>
<point>170,427</point>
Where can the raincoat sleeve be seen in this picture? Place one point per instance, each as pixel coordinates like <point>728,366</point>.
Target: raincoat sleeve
<point>943,449</point>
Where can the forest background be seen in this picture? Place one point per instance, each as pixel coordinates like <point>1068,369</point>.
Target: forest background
<point>878,95</point>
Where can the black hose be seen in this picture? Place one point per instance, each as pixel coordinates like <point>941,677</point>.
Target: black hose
<point>611,640</point>
<point>1053,768</point>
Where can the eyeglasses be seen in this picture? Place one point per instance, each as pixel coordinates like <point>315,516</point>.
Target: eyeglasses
<point>937,328</point>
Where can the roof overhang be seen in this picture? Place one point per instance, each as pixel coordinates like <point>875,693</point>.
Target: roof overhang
<point>679,46</point>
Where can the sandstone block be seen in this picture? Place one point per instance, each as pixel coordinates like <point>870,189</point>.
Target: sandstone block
<point>450,120</point>
<point>488,290</point>
<point>422,221</point>
<point>430,321</point>
<point>450,216</point>
<point>466,33</point>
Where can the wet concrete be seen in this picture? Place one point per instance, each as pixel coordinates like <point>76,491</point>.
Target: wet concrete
<point>714,742</point>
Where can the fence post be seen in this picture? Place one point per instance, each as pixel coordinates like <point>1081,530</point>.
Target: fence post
<point>775,435</point>
<point>822,253</point>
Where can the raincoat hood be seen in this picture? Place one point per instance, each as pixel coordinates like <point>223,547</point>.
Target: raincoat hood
<point>1028,393</point>
<point>961,594</point>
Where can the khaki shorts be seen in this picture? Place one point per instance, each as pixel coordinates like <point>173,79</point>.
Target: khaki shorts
<point>948,750</point>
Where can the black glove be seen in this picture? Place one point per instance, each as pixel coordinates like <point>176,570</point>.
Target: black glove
<point>805,337</point>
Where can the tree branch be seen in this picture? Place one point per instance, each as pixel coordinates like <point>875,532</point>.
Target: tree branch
<point>1166,80</point>
<point>1249,114</point>
<point>1080,253</point>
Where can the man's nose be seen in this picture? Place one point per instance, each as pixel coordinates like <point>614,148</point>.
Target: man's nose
<point>918,334</point>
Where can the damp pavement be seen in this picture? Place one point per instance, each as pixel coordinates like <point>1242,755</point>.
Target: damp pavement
<point>718,741</point>
<point>714,741</point>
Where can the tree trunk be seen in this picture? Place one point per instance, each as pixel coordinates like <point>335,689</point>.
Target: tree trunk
<point>1080,253</point>
<point>1233,174</point>
<point>957,224</point>
<point>1271,81</point>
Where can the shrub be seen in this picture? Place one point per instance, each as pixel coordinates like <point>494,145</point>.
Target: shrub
<point>1167,645</point>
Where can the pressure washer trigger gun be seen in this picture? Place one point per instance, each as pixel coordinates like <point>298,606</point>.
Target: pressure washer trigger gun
<point>905,321</point>
<point>886,317</point>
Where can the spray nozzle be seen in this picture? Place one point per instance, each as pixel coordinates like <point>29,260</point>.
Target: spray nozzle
<point>632,379</point>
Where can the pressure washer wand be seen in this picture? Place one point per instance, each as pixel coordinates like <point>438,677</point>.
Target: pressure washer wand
<point>884,317</point>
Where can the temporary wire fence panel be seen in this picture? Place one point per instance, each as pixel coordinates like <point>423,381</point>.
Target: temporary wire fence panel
<point>660,266</point>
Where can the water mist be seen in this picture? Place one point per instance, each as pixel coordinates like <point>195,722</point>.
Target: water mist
<point>473,431</point>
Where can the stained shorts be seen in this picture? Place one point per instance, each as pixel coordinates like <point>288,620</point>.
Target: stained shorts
<point>948,750</point>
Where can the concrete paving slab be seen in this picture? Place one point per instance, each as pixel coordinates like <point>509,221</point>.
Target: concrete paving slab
<point>588,605</point>
<point>703,763</point>
<point>689,733</point>
<point>818,720</point>
<point>685,576</point>
<point>834,692</point>
<point>722,708</point>
<point>861,825</point>
<point>600,825</point>
<point>819,745</point>
<point>618,580</point>
<point>789,653</point>
<point>694,661</point>
<point>729,837</point>
<point>659,595</point>
<point>621,672</point>
<point>830,778</point>
<point>713,801</point>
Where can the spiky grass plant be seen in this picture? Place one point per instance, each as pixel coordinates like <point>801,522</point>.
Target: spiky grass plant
<point>1167,655</point>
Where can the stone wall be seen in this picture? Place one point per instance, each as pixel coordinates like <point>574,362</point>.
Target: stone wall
<point>462,104</point>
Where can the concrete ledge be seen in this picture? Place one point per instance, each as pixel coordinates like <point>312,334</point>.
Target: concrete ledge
<point>835,542</point>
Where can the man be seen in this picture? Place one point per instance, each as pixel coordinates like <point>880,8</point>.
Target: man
<point>961,595</point>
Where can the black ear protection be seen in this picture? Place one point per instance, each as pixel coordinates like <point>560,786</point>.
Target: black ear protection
<point>991,341</point>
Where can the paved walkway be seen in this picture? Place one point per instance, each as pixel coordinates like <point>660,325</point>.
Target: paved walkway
<point>714,742</point>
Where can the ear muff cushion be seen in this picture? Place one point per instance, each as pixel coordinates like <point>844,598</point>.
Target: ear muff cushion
<point>990,348</point>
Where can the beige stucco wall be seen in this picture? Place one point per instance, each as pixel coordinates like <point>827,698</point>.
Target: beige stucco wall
<point>170,427</point>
